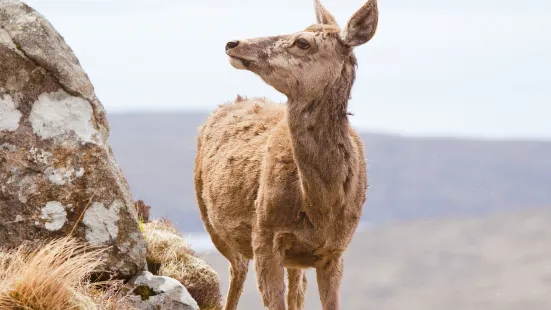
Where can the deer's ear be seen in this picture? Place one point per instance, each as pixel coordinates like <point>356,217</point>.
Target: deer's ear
<point>362,26</point>
<point>322,15</point>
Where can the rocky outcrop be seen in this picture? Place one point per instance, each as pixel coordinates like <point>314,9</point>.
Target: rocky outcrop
<point>58,176</point>
<point>151,292</point>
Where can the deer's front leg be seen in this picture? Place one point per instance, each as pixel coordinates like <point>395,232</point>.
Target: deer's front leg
<point>329,277</point>
<point>296,288</point>
<point>269,270</point>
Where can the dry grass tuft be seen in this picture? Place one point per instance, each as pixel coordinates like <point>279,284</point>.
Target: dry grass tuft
<point>169,255</point>
<point>47,278</point>
<point>54,277</point>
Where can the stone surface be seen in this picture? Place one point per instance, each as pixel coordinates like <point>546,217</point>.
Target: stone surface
<point>58,175</point>
<point>151,292</point>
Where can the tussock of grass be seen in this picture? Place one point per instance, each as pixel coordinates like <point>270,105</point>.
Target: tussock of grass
<point>169,252</point>
<point>54,277</point>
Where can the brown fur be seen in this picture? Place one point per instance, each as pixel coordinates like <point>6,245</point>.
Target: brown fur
<point>285,184</point>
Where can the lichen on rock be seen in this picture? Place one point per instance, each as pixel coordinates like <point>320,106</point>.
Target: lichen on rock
<point>102,223</point>
<point>55,215</point>
<point>63,117</point>
<point>9,114</point>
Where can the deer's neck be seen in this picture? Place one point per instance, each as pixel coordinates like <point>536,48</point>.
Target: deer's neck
<point>322,148</point>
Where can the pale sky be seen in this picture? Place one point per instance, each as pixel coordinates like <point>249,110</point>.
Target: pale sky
<point>477,68</point>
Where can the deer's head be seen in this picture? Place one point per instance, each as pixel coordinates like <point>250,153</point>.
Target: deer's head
<point>307,62</point>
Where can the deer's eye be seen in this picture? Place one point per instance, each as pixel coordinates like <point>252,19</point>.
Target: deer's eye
<point>302,44</point>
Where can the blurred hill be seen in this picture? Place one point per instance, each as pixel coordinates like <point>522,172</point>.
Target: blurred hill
<point>410,178</point>
<point>498,262</point>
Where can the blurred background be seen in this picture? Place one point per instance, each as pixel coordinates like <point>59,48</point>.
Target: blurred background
<point>453,100</point>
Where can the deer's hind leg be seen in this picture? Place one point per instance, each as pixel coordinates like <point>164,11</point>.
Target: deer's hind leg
<point>296,288</point>
<point>239,266</point>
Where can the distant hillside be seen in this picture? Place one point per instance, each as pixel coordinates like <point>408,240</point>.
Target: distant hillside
<point>409,178</point>
<point>500,262</point>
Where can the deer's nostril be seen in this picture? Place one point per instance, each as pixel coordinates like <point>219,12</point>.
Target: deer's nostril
<point>232,44</point>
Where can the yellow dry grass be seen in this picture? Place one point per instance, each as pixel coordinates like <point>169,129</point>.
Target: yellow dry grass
<point>54,277</point>
<point>171,255</point>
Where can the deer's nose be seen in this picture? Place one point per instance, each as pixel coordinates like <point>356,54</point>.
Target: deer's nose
<point>231,44</point>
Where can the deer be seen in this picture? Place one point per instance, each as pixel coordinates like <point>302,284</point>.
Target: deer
<point>284,184</point>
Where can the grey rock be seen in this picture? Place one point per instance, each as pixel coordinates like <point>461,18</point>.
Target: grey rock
<point>58,175</point>
<point>155,292</point>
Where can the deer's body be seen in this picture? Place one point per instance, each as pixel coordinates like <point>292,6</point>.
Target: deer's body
<point>285,184</point>
<point>243,139</point>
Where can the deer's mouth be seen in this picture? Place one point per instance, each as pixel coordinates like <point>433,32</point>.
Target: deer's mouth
<point>240,63</point>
